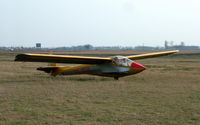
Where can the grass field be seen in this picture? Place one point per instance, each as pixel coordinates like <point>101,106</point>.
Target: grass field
<point>167,93</point>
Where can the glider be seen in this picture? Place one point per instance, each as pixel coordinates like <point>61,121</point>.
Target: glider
<point>116,66</point>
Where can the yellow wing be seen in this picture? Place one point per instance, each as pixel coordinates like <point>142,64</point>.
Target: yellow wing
<point>81,59</point>
<point>150,55</point>
<point>61,59</point>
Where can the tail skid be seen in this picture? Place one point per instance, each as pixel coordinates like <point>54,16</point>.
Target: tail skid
<point>47,69</point>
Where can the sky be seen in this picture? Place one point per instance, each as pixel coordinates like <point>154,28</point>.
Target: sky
<point>56,23</point>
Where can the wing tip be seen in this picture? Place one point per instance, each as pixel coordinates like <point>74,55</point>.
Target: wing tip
<point>176,51</point>
<point>20,57</point>
<point>171,51</point>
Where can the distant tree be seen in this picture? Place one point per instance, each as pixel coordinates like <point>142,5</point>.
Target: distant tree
<point>182,43</point>
<point>166,44</point>
<point>88,47</point>
<point>172,43</point>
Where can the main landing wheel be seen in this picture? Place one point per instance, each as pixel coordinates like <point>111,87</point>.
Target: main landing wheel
<point>116,78</point>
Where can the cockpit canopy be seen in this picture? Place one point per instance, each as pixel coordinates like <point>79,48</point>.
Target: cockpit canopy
<point>122,61</point>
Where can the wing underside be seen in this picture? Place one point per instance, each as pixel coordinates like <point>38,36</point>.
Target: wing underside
<point>61,59</point>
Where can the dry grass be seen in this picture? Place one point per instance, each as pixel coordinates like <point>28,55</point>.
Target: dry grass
<point>168,93</point>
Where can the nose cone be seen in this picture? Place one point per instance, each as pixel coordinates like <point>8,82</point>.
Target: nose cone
<point>138,66</point>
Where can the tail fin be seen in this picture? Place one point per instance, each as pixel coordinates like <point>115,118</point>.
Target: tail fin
<point>52,64</point>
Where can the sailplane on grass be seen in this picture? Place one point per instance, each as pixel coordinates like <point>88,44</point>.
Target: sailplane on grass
<point>116,66</point>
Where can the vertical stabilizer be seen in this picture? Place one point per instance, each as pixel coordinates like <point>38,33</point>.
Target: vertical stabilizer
<point>52,64</point>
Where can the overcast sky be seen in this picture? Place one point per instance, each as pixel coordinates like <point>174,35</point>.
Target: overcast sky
<point>99,22</point>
